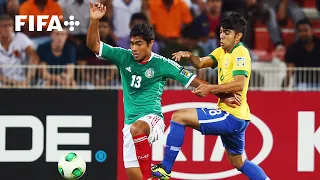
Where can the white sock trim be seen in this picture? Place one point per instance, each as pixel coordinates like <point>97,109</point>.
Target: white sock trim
<point>173,148</point>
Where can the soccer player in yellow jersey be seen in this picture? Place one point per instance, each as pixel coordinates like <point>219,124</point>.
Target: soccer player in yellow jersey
<point>234,68</point>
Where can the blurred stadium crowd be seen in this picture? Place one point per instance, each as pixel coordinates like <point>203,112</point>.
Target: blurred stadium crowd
<point>281,33</point>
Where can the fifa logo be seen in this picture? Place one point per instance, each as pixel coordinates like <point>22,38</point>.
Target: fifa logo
<point>54,23</point>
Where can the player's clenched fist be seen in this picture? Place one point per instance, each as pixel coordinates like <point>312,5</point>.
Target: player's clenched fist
<point>202,90</point>
<point>97,10</point>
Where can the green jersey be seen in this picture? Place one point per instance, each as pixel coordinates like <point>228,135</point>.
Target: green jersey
<point>143,83</point>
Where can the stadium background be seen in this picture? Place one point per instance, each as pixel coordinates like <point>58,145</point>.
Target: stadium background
<point>79,106</point>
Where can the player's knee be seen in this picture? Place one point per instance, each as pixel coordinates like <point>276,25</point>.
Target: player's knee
<point>139,127</point>
<point>178,116</point>
<point>236,162</point>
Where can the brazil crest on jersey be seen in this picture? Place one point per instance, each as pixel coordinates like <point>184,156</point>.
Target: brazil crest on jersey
<point>143,83</point>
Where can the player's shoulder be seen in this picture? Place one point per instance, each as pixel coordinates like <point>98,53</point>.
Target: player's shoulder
<point>159,57</point>
<point>163,60</point>
<point>217,50</point>
<point>115,47</point>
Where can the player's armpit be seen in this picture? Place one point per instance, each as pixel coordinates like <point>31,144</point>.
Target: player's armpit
<point>114,54</point>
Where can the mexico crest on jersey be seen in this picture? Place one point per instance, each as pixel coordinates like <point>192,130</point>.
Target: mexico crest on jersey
<point>240,61</point>
<point>149,73</point>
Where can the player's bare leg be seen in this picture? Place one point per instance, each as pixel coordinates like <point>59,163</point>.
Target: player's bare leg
<point>140,131</point>
<point>236,160</point>
<point>251,170</point>
<point>186,117</point>
<point>179,120</point>
<point>134,173</point>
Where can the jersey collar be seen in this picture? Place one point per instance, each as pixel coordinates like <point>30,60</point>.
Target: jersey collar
<point>237,45</point>
<point>145,62</point>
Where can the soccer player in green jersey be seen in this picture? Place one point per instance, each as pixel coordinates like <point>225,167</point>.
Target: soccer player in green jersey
<point>143,74</point>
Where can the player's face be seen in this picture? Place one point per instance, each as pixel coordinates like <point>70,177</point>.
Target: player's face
<point>304,33</point>
<point>140,49</point>
<point>6,28</point>
<point>227,38</point>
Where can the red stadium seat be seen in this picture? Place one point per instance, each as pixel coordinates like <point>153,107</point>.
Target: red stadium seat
<point>309,3</point>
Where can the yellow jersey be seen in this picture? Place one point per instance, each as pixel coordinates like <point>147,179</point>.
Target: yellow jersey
<point>237,62</point>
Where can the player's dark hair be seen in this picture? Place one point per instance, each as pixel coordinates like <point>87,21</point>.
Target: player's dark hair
<point>235,21</point>
<point>138,16</point>
<point>144,30</point>
<point>303,22</point>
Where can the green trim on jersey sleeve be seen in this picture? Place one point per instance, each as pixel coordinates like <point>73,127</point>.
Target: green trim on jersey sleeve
<point>215,62</point>
<point>240,72</point>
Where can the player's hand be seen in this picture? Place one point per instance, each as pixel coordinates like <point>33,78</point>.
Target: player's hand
<point>97,10</point>
<point>232,101</point>
<point>181,54</point>
<point>202,90</point>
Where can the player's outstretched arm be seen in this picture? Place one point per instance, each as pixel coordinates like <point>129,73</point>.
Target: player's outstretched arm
<point>97,11</point>
<point>231,99</point>
<point>234,86</point>
<point>199,83</point>
<point>196,61</point>
<point>107,52</point>
<point>174,71</point>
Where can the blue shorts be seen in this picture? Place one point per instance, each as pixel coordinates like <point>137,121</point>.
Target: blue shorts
<point>228,127</point>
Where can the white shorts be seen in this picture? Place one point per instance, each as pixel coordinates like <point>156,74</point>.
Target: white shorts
<point>157,127</point>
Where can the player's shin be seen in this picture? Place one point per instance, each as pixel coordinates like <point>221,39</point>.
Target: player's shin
<point>174,142</point>
<point>253,171</point>
<point>143,151</point>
